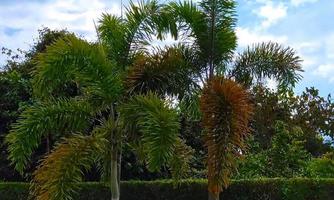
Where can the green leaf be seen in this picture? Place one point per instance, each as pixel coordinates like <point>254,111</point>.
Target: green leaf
<point>268,60</point>
<point>158,125</point>
<point>55,117</point>
<point>75,60</point>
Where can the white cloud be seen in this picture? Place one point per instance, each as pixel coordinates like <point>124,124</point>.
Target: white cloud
<point>271,13</point>
<point>318,57</point>
<point>307,51</point>
<point>301,2</point>
<point>314,46</point>
<point>29,16</point>
<point>330,46</point>
<point>325,71</point>
<point>323,65</point>
<point>248,36</point>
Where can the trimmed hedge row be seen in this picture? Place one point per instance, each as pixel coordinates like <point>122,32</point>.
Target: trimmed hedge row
<point>257,189</point>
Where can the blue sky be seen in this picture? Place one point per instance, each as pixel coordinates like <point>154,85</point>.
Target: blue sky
<point>305,25</point>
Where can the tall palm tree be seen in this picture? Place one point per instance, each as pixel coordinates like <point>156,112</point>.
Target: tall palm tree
<point>124,91</point>
<point>208,28</point>
<point>211,27</point>
<point>121,100</point>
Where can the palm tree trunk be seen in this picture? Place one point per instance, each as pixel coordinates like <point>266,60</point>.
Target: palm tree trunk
<point>114,178</point>
<point>213,22</point>
<point>119,165</point>
<point>48,149</point>
<point>213,196</point>
<point>114,175</point>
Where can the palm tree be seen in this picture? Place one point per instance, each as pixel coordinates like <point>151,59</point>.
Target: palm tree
<point>124,92</point>
<point>120,100</point>
<point>223,105</point>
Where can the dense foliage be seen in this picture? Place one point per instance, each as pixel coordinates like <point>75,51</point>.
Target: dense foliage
<point>309,111</point>
<point>16,93</point>
<point>256,189</point>
<point>300,145</point>
<point>286,156</point>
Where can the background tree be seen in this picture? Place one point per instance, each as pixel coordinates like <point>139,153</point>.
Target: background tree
<point>286,157</point>
<point>269,107</point>
<point>314,141</point>
<point>314,114</point>
<point>16,93</point>
<point>308,111</point>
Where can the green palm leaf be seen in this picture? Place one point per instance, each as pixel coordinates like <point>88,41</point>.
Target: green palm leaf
<point>157,124</point>
<point>125,37</point>
<point>221,20</point>
<point>54,117</point>
<point>112,32</point>
<point>190,21</point>
<point>268,60</point>
<point>179,163</point>
<point>73,59</point>
<point>212,26</point>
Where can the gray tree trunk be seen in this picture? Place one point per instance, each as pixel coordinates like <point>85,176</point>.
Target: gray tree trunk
<point>115,193</point>
<point>119,165</point>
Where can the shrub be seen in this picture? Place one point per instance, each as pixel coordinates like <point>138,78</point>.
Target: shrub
<point>255,189</point>
<point>321,167</point>
<point>13,191</point>
<point>286,156</point>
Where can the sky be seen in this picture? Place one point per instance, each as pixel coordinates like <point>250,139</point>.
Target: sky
<point>305,25</point>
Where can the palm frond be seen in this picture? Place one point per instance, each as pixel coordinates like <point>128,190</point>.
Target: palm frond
<point>189,106</point>
<point>179,163</point>
<point>125,37</point>
<point>60,172</point>
<point>166,72</point>
<point>112,31</point>
<point>212,27</point>
<point>191,21</point>
<point>158,125</point>
<point>73,59</point>
<point>65,115</point>
<point>268,60</point>
<point>226,112</point>
<point>221,20</point>
<point>142,22</point>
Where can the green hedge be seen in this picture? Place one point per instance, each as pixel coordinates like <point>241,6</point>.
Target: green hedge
<point>258,189</point>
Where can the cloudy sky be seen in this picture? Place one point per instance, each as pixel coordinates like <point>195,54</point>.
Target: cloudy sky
<point>305,25</point>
